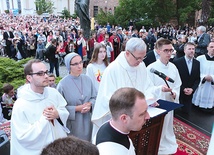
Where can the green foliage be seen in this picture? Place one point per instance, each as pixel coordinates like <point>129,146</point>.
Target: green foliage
<point>160,11</point>
<point>212,10</point>
<point>153,12</point>
<point>58,79</point>
<point>44,6</point>
<point>74,16</point>
<point>146,23</point>
<point>65,13</point>
<point>127,10</point>
<point>12,72</point>
<point>6,11</point>
<point>104,17</point>
<point>148,10</point>
<point>185,12</point>
<point>211,21</point>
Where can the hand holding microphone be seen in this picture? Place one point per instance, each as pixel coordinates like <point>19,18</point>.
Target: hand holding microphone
<point>165,78</point>
<point>167,89</point>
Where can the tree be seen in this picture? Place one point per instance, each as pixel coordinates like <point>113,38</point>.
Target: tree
<point>44,6</point>
<point>206,10</point>
<point>128,10</point>
<point>65,13</point>
<point>104,17</point>
<point>12,72</point>
<point>211,18</point>
<point>185,11</point>
<point>157,11</point>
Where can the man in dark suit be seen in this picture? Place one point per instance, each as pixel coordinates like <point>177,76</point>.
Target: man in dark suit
<point>202,41</point>
<point>8,36</point>
<point>152,55</point>
<point>189,70</point>
<point>153,40</point>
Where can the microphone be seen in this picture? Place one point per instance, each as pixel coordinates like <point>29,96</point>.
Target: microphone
<point>163,76</point>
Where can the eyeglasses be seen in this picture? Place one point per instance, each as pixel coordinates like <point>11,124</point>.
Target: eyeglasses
<point>40,73</point>
<point>168,50</point>
<point>76,64</point>
<point>137,59</point>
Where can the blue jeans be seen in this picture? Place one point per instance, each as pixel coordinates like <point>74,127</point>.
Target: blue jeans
<point>56,65</point>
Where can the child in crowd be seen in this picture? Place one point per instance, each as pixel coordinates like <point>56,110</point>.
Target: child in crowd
<point>97,64</point>
<point>7,100</point>
<point>52,80</point>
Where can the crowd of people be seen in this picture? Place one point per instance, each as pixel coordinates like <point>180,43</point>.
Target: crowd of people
<point>105,104</point>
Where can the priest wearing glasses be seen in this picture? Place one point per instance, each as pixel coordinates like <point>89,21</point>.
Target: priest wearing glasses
<point>39,114</point>
<point>127,70</point>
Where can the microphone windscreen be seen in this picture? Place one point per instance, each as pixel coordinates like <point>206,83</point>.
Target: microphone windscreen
<point>152,70</point>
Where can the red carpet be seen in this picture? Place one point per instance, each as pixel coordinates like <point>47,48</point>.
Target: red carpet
<point>6,128</point>
<point>190,141</point>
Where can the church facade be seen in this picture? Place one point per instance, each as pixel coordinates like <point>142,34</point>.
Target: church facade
<point>28,7</point>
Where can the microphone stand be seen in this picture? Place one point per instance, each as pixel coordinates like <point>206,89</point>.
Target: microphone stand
<point>167,85</point>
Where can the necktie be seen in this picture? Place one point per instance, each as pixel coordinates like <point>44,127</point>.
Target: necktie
<point>189,64</point>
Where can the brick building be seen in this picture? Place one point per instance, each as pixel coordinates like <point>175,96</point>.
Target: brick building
<point>106,5</point>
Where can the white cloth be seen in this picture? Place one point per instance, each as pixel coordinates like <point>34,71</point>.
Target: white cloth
<point>111,140</point>
<point>30,130</point>
<point>112,148</point>
<point>95,72</point>
<point>157,56</point>
<point>117,75</point>
<point>204,94</point>
<point>168,143</point>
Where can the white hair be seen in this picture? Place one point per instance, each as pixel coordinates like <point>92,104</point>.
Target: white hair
<point>202,28</point>
<point>135,44</point>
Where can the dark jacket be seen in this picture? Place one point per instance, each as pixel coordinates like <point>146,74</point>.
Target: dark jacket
<point>150,58</point>
<point>51,53</point>
<point>188,80</point>
<point>202,44</point>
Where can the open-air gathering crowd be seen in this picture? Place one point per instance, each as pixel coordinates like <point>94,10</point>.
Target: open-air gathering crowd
<point>126,69</point>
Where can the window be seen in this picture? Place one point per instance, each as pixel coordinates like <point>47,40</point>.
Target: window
<point>95,11</point>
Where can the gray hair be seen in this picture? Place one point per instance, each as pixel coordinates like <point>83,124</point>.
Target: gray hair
<point>202,28</point>
<point>135,44</point>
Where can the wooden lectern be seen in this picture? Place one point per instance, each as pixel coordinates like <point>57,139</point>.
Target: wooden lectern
<point>146,141</point>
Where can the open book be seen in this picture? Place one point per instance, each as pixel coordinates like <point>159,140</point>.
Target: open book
<point>153,111</point>
<point>164,107</point>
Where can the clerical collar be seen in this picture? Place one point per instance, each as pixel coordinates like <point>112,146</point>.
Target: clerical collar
<point>208,57</point>
<point>117,129</point>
